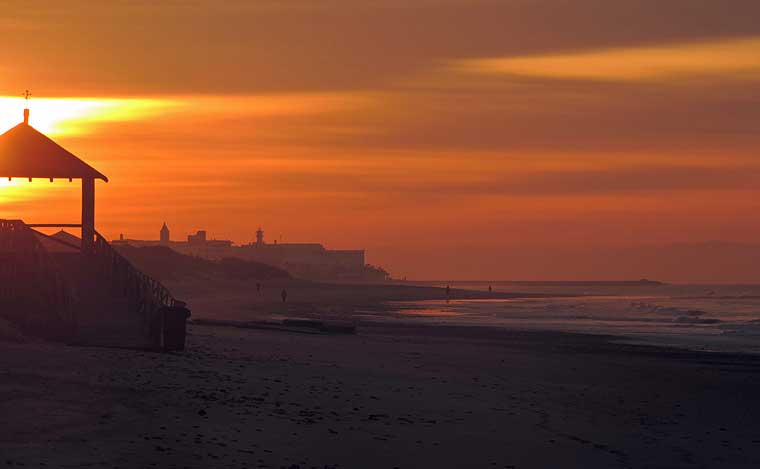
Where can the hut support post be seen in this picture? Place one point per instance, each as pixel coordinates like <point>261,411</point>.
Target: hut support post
<point>88,215</point>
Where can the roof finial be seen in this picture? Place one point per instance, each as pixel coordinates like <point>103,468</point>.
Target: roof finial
<point>26,96</point>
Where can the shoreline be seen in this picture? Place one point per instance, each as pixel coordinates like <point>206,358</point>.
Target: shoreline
<point>351,303</point>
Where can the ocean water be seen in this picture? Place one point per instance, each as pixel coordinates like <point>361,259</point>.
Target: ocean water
<point>701,317</point>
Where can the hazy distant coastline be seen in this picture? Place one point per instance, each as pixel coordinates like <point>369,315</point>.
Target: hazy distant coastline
<point>612,283</point>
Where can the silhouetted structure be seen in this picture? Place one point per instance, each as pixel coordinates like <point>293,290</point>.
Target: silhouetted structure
<point>27,153</point>
<point>164,235</point>
<point>305,260</point>
<point>198,237</point>
<point>64,286</point>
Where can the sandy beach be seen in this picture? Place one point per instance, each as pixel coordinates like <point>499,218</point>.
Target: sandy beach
<point>392,395</point>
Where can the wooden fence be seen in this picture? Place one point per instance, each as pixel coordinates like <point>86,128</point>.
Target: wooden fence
<point>34,288</point>
<point>34,292</point>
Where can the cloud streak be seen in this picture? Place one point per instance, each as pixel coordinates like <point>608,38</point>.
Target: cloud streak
<point>724,57</point>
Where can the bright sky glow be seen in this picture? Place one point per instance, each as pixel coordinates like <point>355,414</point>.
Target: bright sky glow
<point>66,116</point>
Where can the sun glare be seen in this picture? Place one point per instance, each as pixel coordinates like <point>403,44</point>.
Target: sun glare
<point>19,190</point>
<point>66,116</point>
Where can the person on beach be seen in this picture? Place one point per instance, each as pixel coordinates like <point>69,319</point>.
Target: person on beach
<point>448,292</point>
<point>258,287</point>
<point>284,295</point>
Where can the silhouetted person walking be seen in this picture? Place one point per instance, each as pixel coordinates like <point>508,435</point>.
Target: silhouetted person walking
<point>284,295</point>
<point>490,289</point>
<point>258,287</point>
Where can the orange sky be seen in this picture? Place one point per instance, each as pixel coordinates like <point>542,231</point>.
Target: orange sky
<point>448,137</point>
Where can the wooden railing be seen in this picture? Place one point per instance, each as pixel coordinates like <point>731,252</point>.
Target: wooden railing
<point>33,289</point>
<point>144,294</point>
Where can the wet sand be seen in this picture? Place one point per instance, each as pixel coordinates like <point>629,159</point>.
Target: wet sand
<point>391,396</point>
<point>238,300</point>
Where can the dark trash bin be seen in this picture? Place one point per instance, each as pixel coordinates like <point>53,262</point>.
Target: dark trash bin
<point>175,327</point>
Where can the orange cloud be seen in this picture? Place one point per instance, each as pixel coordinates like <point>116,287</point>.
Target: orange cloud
<point>725,57</point>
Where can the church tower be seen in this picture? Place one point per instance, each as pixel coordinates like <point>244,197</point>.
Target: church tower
<point>164,234</point>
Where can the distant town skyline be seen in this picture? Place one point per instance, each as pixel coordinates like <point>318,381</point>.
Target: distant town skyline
<point>563,129</point>
<point>308,260</point>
